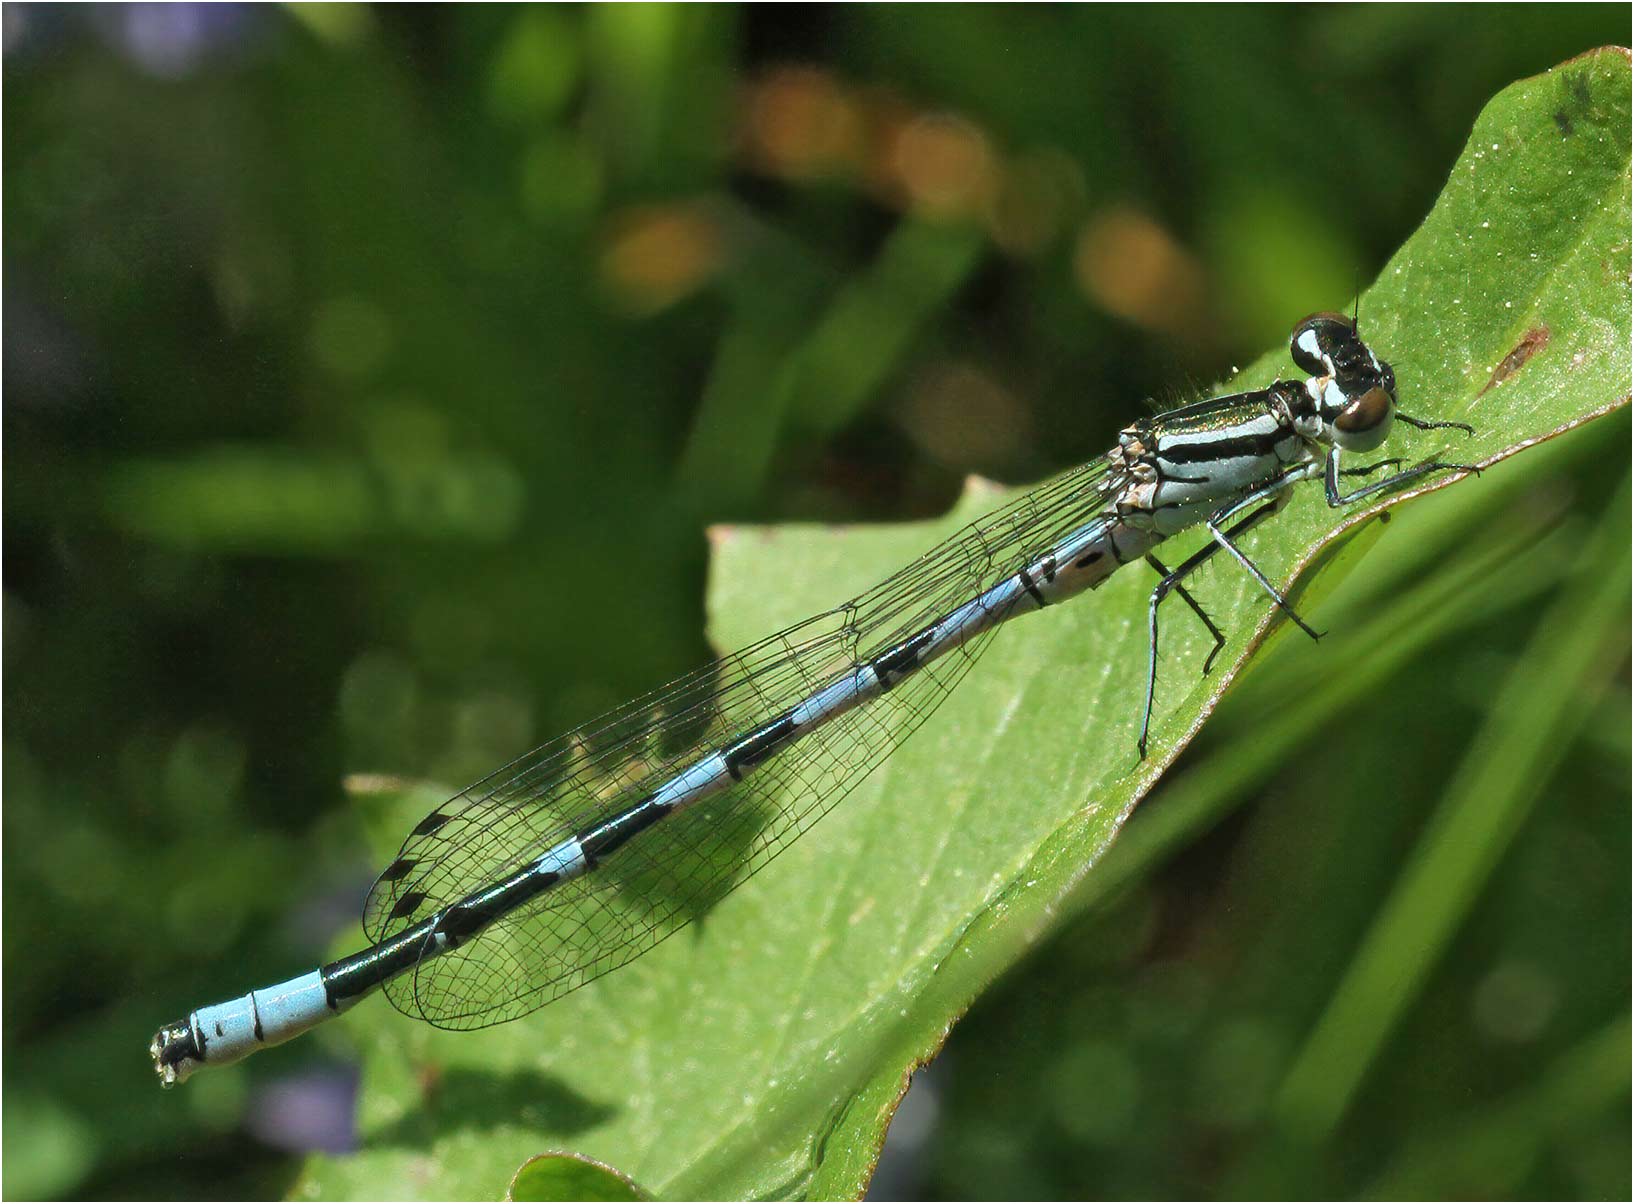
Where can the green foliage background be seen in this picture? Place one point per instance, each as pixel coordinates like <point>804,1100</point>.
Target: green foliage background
<point>373,374</point>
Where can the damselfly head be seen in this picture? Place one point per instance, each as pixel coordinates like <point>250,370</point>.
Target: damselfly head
<point>1354,390</point>
<point>1320,342</point>
<point>1364,423</point>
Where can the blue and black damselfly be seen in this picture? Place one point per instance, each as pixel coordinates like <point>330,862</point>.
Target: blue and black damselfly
<point>587,852</point>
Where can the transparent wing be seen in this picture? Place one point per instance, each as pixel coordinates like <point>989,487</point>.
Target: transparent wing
<point>673,872</point>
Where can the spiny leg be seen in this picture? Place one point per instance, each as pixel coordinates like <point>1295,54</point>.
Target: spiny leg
<point>1425,424</point>
<point>1368,470</point>
<point>1185,596</point>
<point>1171,583</point>
<point>1332,473</point>
<point>1223,538</point>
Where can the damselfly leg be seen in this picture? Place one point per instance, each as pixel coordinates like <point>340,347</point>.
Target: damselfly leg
<point>1424,424</point>
<point>1171,583</point>
<point>1368,470</point>
<point>1185,596</point>
<point>1332,473</point>
<point>1269,498</point>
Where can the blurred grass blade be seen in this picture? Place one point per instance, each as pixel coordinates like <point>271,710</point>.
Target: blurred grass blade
<point>874,319</point>
<point>776,378</point>
<point>1499,1146</point>
<point>1580,644</point>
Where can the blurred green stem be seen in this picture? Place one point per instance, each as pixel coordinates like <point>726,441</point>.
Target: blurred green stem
<point>1552,688</point>
<point>1497,1147</point>
<point>774,378</point>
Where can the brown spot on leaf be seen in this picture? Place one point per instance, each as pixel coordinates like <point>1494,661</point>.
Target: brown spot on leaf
<point>1532,342</point>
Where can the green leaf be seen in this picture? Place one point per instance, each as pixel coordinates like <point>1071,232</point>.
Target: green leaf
<point>762,1052</point>
<point>570,1177</point>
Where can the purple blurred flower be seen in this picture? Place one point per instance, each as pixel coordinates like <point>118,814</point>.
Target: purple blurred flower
<point>315,1110</point>
<point>172,40</point>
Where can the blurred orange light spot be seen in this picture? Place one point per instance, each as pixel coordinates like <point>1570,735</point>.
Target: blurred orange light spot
<point>655,257</point>
<point>961,416</point>
<point>1037,196</point>
<point>800,124</point>
<point>1129,264</point>
<point>943,164</point>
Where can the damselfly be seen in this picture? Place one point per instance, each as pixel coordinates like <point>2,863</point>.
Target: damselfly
<point>589,851</point>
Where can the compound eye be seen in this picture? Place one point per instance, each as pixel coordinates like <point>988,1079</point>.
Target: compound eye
<point>1365,414</point>
<point>1316,336</point>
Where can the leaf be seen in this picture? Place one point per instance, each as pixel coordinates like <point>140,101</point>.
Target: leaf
<point>762,1052</point>
<point>570,1177</point>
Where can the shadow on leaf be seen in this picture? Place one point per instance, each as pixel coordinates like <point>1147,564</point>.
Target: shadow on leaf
<point>478,1101</point>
